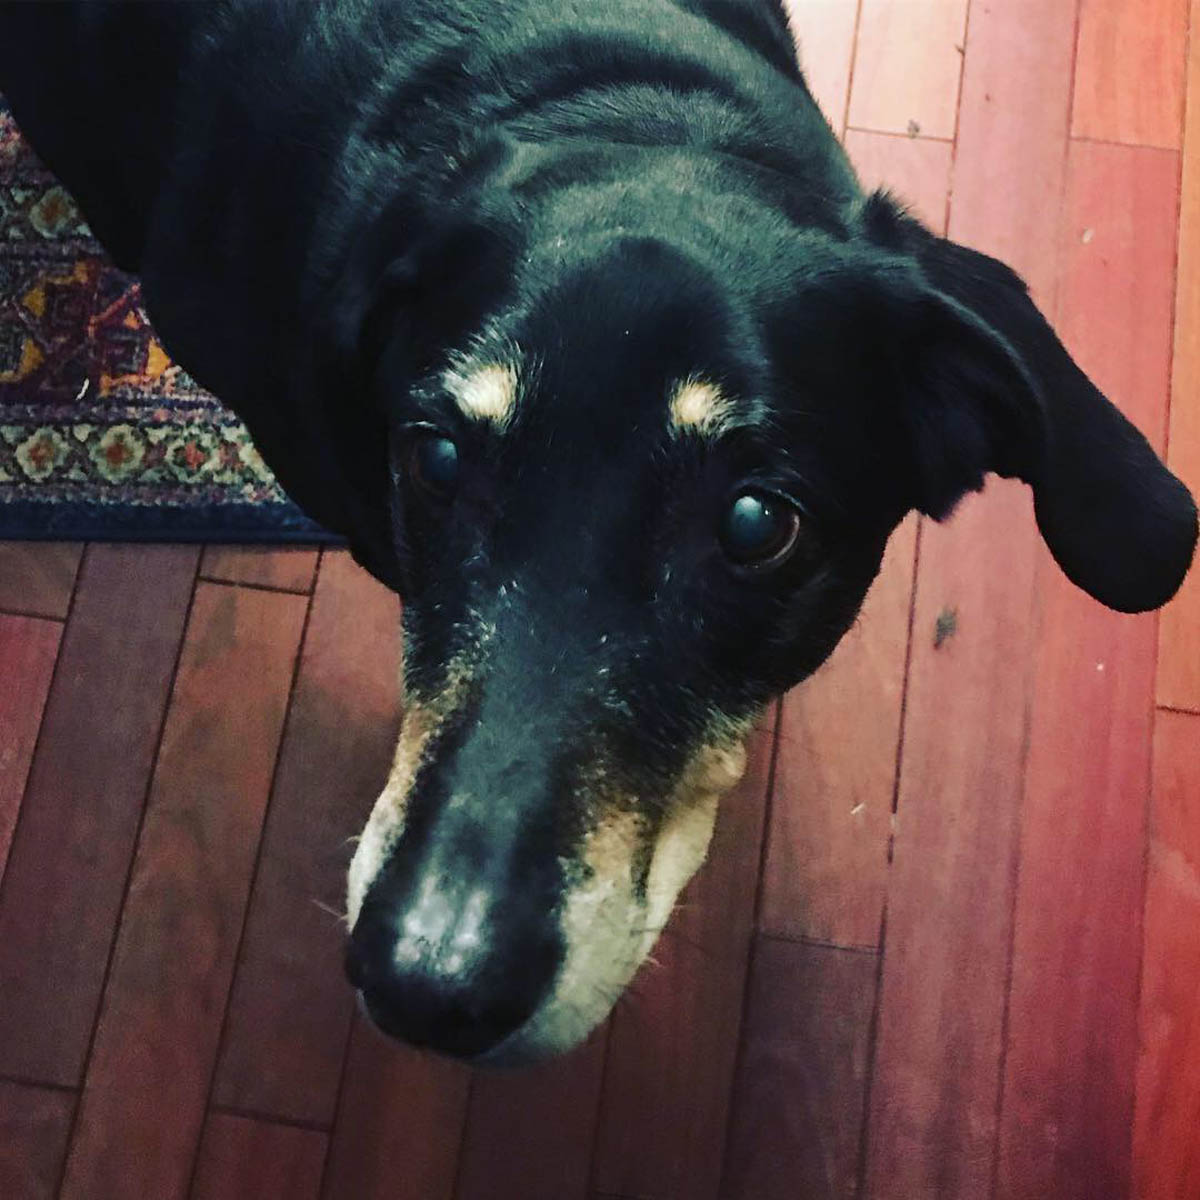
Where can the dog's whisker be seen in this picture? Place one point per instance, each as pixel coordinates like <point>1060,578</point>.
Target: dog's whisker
<point>338,914</point>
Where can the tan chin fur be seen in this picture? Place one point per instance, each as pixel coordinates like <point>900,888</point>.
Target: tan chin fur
<point>687,826</point>
<point>418,731</point>
<point>607,929</point>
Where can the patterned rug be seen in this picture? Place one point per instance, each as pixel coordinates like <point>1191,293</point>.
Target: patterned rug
<point>101,435</point>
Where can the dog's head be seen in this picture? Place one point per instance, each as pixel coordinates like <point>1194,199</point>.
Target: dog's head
<point>641,484</point>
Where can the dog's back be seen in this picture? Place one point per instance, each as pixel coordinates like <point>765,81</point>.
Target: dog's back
<point>87,83</point>
<point>96,84</point>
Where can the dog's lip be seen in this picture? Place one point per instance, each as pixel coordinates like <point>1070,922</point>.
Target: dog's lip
<point>514,1051</point>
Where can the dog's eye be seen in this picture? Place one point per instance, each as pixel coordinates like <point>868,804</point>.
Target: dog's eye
<point>433,465</point>
<point>759,530</point>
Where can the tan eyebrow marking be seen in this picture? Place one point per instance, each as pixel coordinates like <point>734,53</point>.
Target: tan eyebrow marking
<point>487,393</point>
<point>700,407</point>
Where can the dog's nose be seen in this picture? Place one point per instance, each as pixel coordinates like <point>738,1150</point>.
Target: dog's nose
<point>456,999</point>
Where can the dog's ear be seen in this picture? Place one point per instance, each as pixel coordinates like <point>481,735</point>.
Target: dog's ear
<point>991,388</point>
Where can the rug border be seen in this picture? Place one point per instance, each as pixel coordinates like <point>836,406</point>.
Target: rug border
<point>217,524</point>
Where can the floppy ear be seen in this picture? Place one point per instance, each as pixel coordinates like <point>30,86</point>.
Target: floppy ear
<point>1000,393</point>
<point>420,278</point>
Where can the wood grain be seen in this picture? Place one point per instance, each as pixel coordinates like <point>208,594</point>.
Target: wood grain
<point>529,1132</point>
<point>1116,296</point>
<point>34,1124</point>
<point>399,1122</point>
<point>244,1159</point>
<point>932,1122</point>
<point>916,170</point>
<point>798,1100</point>
<point>1129,72</point>
<point>824,33</point>
<point>37,578</point>
<point>937,1064</point>
<point>831,816</point>
<point>83,800</point>
<point>1072,1028</point>
<point>1069,1078</point>
<point>288,569</point>
<point>147,1082</point>
<point>907,65</point>
<point>673,1038</point>
<point>1178,662</point>
<point>1011,150</point>
<point>1166,1152</point>
<point>28,649</point>
<point>291,1006</point>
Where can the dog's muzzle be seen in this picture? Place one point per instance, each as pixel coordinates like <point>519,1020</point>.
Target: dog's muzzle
<point>509,881</point>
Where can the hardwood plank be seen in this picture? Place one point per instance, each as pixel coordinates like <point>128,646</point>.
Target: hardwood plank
<point>827,844</point>
<point>34,1124</point>
<point>932,1117</point>
<point>148,1078</point>
<point>1178,662</point>
<point>37,578</point>
<point>798,1100</point>
<point>1009,164</point>
<point>399,1122</point>
<point>529,1132</point>
<point>937,1063</point>
<point>1072,1029</point>
<point>673,1039</point>
<point>1129,73</point>
<point>286,568</point>
<point>28,650</point>
<point>917,170</point>
<point>83,800</point>
<point>1069,1078</point>
<point>824,34</point>
<point>907,66</point>
<point>241,1158</point>
<point>291,1006</point>
<point>1166,1152</point>
<point>1117,266</point>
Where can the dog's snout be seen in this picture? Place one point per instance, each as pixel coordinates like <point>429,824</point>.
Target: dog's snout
<point>462,994</point>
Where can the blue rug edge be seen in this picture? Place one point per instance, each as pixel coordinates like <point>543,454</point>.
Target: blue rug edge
<point>251,524</point>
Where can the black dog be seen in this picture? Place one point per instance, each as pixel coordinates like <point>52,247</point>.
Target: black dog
<point>572,317</point>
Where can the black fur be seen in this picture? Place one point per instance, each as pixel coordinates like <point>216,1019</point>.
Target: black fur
<point>329,200</point>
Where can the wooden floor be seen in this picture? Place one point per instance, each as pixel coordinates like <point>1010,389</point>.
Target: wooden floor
<point>948,944</point>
